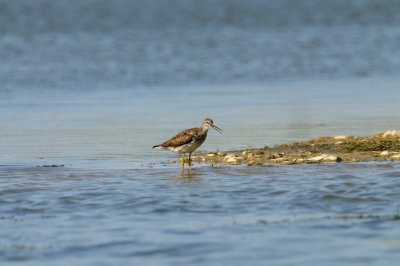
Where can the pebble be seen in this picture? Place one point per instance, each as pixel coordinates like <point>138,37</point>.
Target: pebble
<point>325,158</point>
<point>390,133</point>
<point>221,153</point>
<point>232,158</point>
<point>340,137</point>
<point>396,157</point>
<point>384,153</point>
<point>211,155</point>
<point>231,155</point>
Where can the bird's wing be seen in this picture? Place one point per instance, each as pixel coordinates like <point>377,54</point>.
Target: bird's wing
<point>180,139</point>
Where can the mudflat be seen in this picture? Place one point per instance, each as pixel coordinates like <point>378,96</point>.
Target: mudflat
<point>380,147</point>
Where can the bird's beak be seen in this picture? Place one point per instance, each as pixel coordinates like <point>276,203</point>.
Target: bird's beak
<point>217,129</point>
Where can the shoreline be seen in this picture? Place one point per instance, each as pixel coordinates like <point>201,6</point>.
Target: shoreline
<point>384,146</point>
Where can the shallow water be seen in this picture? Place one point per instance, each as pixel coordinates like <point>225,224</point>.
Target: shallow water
<point>93,85</point>
<point>330,214</point>
<point>109,129</point>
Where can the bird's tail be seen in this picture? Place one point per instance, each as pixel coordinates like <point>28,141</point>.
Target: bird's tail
<point>155,146</point>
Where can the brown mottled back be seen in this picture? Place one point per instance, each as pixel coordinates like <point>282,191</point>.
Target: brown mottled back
<point>185,137</point>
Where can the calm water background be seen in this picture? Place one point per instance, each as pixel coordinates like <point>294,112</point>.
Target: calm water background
<point>93,85</point>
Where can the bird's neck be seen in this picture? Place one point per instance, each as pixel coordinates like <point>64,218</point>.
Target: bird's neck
<point>204,129</point>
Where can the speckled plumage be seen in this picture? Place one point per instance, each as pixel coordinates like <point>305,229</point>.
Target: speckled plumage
<point>188,140</point>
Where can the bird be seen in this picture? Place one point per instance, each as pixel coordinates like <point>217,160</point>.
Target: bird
<point>188,140</point>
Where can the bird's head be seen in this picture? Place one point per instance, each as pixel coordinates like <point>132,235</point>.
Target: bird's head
<point>209,123</point>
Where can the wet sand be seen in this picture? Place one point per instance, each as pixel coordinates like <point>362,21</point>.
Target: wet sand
<point>380,147</point>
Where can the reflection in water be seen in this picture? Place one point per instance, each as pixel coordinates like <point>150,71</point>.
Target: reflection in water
<point>191,176</point>
<point>194,176</point>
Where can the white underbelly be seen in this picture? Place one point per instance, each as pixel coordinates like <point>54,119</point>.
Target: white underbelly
<point>187,148</point>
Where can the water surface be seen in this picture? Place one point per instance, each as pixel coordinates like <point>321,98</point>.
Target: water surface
<point>304,214</point>
<point>93,85</point>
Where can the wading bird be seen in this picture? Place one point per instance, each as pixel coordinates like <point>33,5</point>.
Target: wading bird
<point>189,140</point>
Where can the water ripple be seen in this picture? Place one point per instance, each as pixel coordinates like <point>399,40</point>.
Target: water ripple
<point>157,213</point>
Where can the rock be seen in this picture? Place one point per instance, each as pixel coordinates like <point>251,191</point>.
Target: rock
<point>396,157</point>
<point>384,153</point>
<point>390,133</point>
<point>339,142</point>
<point>340,137</point>
<point>221,153</point>
<point>231,155</point>
<point>211,154</point>
<point>232,158</point>
<point>325,158</point>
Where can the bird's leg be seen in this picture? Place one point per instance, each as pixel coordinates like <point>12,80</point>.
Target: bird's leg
<point>183,163</point>
<point>190,162</point>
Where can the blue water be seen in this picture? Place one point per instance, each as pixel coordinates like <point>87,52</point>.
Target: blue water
<point>306,214</point>
<point>93,85</point>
